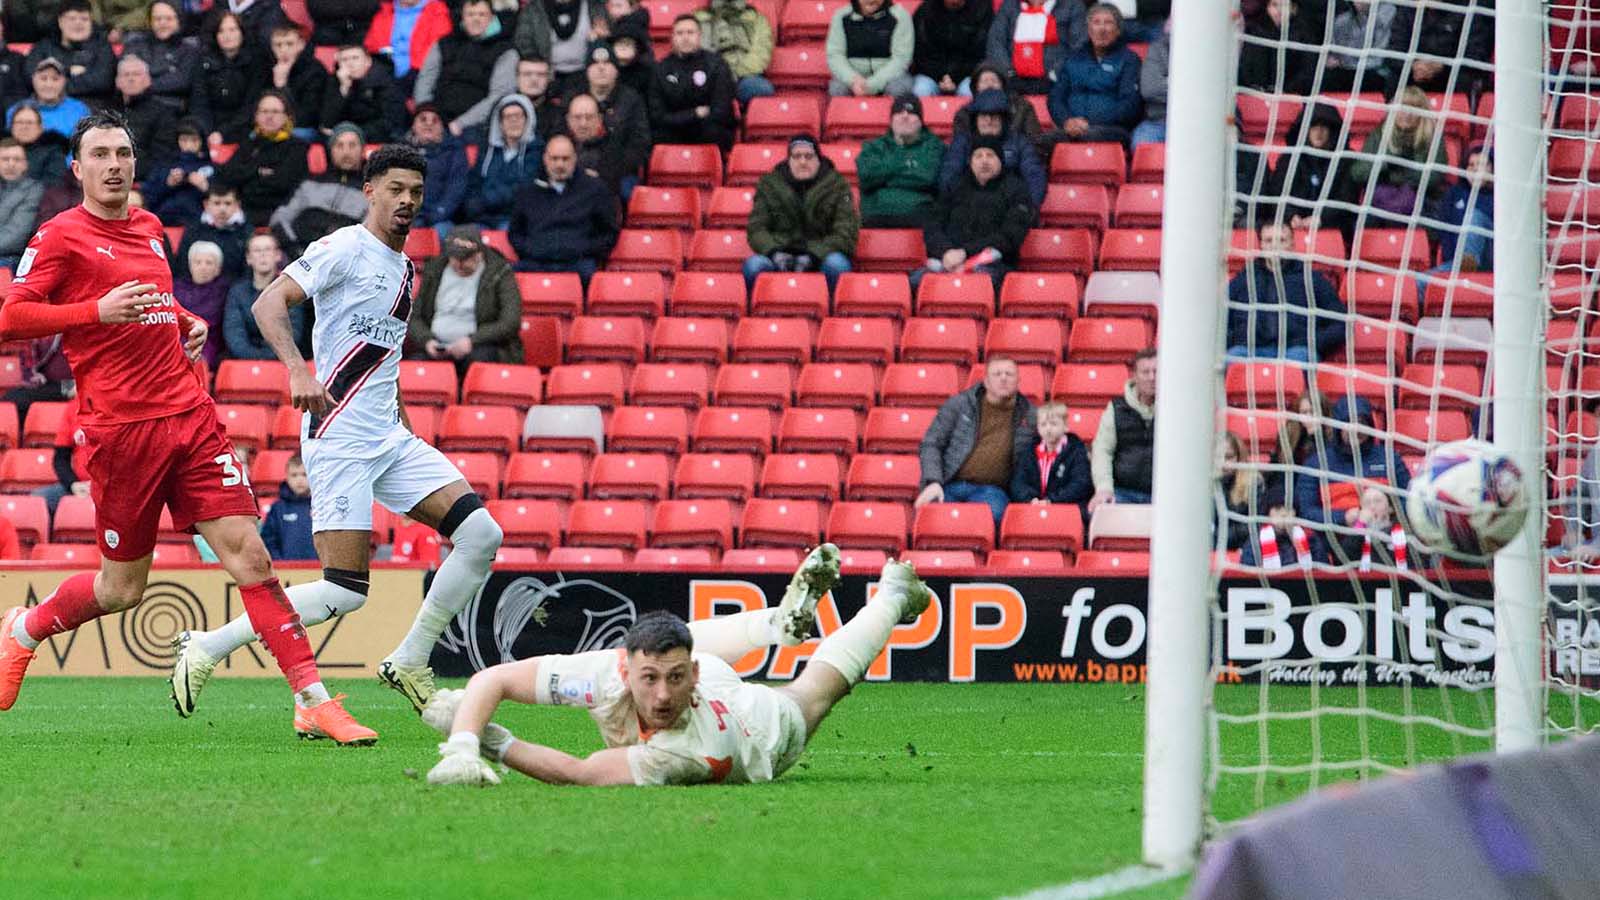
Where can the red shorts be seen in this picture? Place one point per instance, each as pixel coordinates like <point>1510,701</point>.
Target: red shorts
<point>184,462</point>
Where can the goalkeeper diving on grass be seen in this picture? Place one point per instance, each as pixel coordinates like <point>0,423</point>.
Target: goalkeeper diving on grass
<point>668,703</point>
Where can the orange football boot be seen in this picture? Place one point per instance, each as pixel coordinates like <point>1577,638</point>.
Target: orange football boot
<point>14,658</point>
<point>328,719</point>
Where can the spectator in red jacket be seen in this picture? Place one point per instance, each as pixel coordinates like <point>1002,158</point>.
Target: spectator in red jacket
<point>404,31</point>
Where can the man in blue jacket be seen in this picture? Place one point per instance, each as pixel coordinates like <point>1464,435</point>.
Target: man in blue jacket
<point>287,528</point>
<point>1352,458</point>
<point>565,221</point>
<point>991,115</point>
<point>1096,96</point>
<point>1279,308</point>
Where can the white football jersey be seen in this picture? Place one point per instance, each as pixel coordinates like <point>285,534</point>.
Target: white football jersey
<point>731,733</point>
<point>361,290</point>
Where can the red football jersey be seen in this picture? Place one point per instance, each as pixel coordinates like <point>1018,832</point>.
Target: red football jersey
<point>125,373</point>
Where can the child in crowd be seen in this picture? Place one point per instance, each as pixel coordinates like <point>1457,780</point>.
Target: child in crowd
<point>287,528</point>
<point>1055,469</point>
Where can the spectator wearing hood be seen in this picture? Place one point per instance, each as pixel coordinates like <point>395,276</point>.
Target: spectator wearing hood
<point>899,172</point>
<point>173,57</point>
<point>951,37</point>
<point>201,289</point>
<point>743,37</point>
<point>58,112</point>
<point>366,95</point>
<point>979,224</point>
<point>636,62</point>
<point>803,218</point>
<point>1350,460</point>
<point>264,260</point>
<point>19,202</point>
<point>172,191</point>
<point>448,170</point>
<point>1029,39</point>
<point>286,529</point>
<point>691,97</point>
<point>1153,89</point>
<point>298,73</point>
<point>151,122</point>
<point>468,307</point>
<point>1281,308</point>
<point>405,31</point>
<point>85,55</point>
<point>1307,178</point>
<point>560,31</point>
<point>623,113</point>
<point>270,163</point>
<point>323,204</point>
<point>227,80</point>
<point>991,117</point>
<point>566,221</point>
<point>468,69</point>
<point>1023,119</point>
<point>222,222</point>
<point>869,48</point>
<point>510,158</point>
<point>1096,95</point>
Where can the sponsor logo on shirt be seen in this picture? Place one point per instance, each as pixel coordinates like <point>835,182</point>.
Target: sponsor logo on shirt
<point>26,263</point>
<point>378,329</point>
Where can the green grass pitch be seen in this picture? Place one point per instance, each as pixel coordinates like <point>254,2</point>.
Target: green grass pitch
<point>908,790</point>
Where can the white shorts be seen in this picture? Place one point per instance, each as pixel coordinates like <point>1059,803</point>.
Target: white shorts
<point>398,470</point>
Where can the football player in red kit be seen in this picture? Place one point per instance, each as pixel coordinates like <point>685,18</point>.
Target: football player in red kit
<point>98,275</point>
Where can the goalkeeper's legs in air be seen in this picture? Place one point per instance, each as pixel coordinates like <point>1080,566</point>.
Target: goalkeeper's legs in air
<point>789,623</point>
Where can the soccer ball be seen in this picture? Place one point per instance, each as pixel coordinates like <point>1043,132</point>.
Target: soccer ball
<point>1469,499</point>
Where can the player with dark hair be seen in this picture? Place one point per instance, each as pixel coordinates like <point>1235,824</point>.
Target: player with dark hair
<point>98,274</point>
<point>668,703</point>
<point>355,437</point>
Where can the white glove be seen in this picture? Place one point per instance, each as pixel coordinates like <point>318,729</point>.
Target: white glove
<point>461,764</point>
<point>440,715</point>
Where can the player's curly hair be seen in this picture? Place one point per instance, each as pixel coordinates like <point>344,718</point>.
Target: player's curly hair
<point>395,156</point>
<point>656,633</point>
<point>105,118</point>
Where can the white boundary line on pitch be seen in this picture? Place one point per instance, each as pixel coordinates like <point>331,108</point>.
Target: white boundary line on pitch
<point>1105,885</point>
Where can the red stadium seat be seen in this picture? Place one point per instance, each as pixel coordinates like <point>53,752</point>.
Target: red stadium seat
<point>806,20</point>
<point>1026,560</point>
<point>428,382</point>
<point>939,114</point>
<point>1394,248</point>
<point>175,555</point>
<point>919,384</point>
<point>1108,339</point>
<point>1573,159</point>
<point>1257,429</point>
<point>929,340</point>
<point>664,12</point>
<point>754,384</point>
<point>1121,526</point>
<point>528,523</point>
<point>882,476</point>
<point>1042,526</point>
<point>74,521</point>
<point>1260,116</point>
<point>541,341</point>
<point>1091,163</point>
<point>869,526</point>
<point>685,165</point>
<point>498,240</point>
<point>850,385</point>
<point>872,294</point>
<point>1131,249</point>
<point>670,384</point>
<point>929,560</point>
<point>546,476</point>
<point>775,559</point>
<point>728,476</point>
<point>497,429</point>
<point>1382,295</point>
<point>856,339</point>
<point>862,562</point>
<point>895,430</point>
<point>735,429</point>
<point>566,557</point>
<point>550,293</point>
<point>799,67</point>
<point>708,294</point>
<point>625,476</point>
<point>1076,206</point>
<point>1372,382</point>
<point>780,523</point>
<point>1427,428</point>
<point>1084,421</point>
<point>29,515</point>
<point>889,249</point>
<point>1139,206</point>
<point>500,384</point>
<point>424,421</point>
<point>800,476</point>
<point>1442,386</point>
<point>1149,164</point>
<point>843,156</point>
<point>43,421</point>
<point>245,424</point>
<point>627,294</point>
<point>10,429</point>
<point>596,384</point>
<point>723,250</point>
<point>1058,250</point>
<point>664,207</point>
<point>600,338</point>
<point>1378,342</point>
<point>285,434</point>
<point>1080,384</point>
<point>512,557</point>
<point>481,470</point>
<point>647,250</point>
<point>422,244</point>
<point>607,523</point>
<point>1264,384</point>
<point>1115,561</point>
<point>648,429</point>
<point>692,523</point>
<point>11,371</point>
<point>267,471</point>
<point>1030,380</point>
<point>818,430</point>
<point>1025,340</point>
<point>674,557</point>
<point>956,294</point>
<point>953,526</point>
<point>790,294</point>
<point>730,207</point>
<point>749,161</point>
<point>252,381</point>
<point>1039,295</point>
<point>781,117</point>
<point>773,340</point>
<point>856,118</point>
<point>74,556</point>
<point>1463,295</point>
<point>689,339</point>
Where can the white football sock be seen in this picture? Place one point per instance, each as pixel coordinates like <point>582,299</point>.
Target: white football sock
<point>315,602</point>
<point>462,574</point>
<point>731,637</point>
<point>311,695</point>
<point>851,649</point>
<point>20,632</point>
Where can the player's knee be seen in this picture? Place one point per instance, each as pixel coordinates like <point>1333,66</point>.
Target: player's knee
<point>476,533</point>
<point>349,589</point>
<point>116,598</point>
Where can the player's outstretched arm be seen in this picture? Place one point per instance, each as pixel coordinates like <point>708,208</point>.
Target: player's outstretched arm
<point>123,304</point>
<point>551,766</point>
<point>271,310</point>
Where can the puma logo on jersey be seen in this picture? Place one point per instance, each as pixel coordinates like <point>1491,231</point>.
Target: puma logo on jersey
<point>106,251</point>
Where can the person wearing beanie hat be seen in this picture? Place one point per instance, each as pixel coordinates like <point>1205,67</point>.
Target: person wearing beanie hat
<point>899,172</point>
<point>636,61</point>
<point>1096,96</point>
<point>950,43</point>
<point>991,116</point>
<point>869,49</point>
<point>803,218</point>
<point>691,96</point>
<point>626,122</point>
<point>743,37</point>
<point>979,224</point>
<point>468,69</point>
<point>324,203</point>
<point>58,112</point>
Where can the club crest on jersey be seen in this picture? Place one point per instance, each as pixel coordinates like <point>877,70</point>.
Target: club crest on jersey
<point>156,246</point>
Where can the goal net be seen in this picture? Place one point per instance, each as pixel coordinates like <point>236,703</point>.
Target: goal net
<point>1405,265</point>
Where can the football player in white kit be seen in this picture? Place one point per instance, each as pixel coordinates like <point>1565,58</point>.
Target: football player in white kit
<point>355,438</point>
<point>668,704</point>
